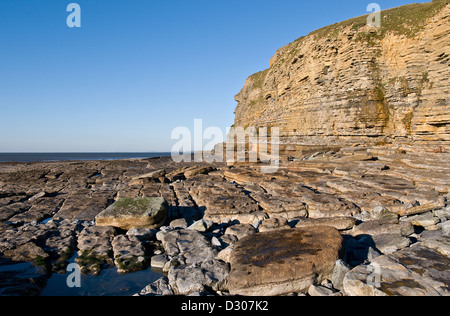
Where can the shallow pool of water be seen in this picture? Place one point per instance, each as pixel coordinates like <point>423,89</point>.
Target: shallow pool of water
<point>108,283</point>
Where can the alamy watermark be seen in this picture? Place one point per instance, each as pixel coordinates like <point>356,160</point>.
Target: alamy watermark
<point>249,144</point>
<point>374,278</point>
<point>374,18</point>
<point>74,18</point>
<point>74,278</point>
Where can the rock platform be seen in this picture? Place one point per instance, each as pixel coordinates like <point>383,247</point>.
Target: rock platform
<point>385,209</point>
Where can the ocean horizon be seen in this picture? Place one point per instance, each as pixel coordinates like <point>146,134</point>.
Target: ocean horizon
<point>77,156</point>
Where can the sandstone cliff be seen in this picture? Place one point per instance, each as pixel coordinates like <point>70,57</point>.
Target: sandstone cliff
<point>350,82</point>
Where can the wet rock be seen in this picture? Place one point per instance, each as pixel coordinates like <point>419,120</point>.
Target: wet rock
<point>95,249</point>
<point>285,261</point>
<point>62,243</point>
<point>134,213</point>
<point>28,252</point>
<point>15,237</point>
<point>21,279</point>
<point>129,254</point>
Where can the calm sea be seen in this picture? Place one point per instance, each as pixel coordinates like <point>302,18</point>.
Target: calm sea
<point>34,157</point>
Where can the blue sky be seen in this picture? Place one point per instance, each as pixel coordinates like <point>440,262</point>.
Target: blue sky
<point>137,69</point>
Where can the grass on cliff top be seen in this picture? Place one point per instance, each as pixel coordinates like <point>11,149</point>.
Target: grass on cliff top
<point>258,78</point>
<point>405,20</point>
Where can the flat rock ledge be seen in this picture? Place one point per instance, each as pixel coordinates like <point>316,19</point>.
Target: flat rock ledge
<point>392,211</point>
<point>415,271</point>
<point>128,213</point>
<point>282,262</point>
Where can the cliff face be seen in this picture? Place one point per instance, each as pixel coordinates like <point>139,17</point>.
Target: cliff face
<point>350,82</point>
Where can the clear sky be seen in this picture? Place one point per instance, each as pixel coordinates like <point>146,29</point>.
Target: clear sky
<point>136,69</point>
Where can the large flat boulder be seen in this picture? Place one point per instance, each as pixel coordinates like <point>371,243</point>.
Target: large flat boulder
<point>284,261</point>
<point>128,213</point>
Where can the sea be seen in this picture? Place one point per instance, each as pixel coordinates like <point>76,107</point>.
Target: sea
<point>47,157</point>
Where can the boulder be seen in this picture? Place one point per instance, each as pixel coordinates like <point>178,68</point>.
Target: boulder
<point>284,261</point>
<point>128,213</point>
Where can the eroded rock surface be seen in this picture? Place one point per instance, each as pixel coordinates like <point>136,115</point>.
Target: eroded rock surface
<point>380,206</point>
<point>285,261</point>
<point>415,271</point>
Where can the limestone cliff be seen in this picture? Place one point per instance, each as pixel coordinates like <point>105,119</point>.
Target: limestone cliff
<point>350,82</point>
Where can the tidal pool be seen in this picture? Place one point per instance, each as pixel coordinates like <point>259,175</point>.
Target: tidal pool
<point>108,283</point>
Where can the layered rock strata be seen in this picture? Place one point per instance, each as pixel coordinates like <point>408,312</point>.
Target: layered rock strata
<point>350,82</point>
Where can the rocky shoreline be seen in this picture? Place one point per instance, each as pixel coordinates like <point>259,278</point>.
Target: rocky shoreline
<point>337,221</point>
